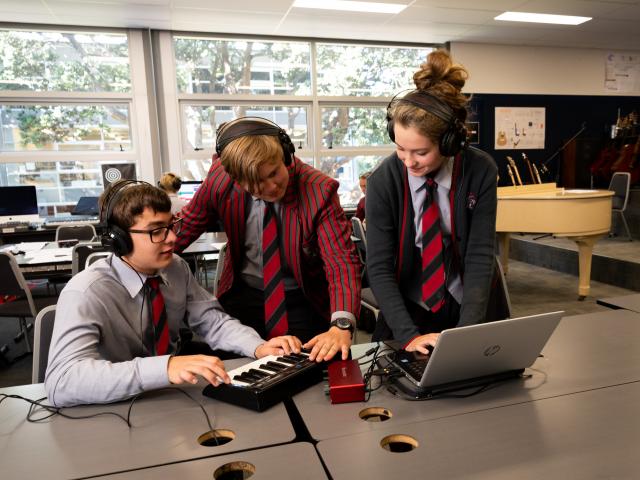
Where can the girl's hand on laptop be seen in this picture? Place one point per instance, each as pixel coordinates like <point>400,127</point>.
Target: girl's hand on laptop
<point>419,344</point>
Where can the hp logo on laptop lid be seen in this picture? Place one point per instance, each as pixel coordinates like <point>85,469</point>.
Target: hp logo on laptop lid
<point>492,350</point>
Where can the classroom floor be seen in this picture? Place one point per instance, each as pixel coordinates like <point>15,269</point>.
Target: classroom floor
<point>532,290</point>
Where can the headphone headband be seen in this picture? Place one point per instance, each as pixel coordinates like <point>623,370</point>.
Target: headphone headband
<point>426,101</point>
<point>114,237</point>
<point>453,139</point>
<point>249,126</point>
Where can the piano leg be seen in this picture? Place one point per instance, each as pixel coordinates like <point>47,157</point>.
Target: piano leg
<point>503,242</point>
<point>585,252</point>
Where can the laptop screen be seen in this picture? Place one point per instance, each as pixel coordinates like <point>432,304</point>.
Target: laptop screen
<point>86,206</point>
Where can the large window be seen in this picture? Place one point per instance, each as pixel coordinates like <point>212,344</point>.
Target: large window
<point>330,97</point>
<point>66,107</point>
<point>242,66</point>
<point>49,61</point>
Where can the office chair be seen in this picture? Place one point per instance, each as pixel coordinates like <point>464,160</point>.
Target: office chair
<point>12,283</point>
<point>499,307</point>
<point>360,238</point>
<point>42,333</point>
<point>76,231</point>
<point>81,252</point>
<point>219,268</point>
<point>368,318</point>
<point>620,182</point>
<point>94,257</point>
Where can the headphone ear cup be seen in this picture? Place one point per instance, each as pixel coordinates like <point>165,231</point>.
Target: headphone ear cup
<point>447,143</point>
<point>453,139</point>
<point>390,131</point>
<point>118,241</point>
<point>288,148</point>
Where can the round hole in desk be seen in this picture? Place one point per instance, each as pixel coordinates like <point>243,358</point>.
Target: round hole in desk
<point>375,414</point>
<point>216,438</point>
<point>398,443</point>
<point>234,471</point>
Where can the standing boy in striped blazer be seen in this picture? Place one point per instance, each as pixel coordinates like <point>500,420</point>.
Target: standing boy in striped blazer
<point>291,266</point>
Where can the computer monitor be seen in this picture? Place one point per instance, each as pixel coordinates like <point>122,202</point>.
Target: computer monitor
<point>18,204</point>
<point>188,189</point>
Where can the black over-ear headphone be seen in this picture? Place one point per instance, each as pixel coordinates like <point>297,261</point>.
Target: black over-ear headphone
<point>113,237</point>
<point>244,126</point>
<point>453,139</point>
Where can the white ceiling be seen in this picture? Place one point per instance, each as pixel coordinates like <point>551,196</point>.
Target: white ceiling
<point>614,24</point>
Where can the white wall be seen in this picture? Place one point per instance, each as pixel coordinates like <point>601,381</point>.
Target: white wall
<point>533,70</point>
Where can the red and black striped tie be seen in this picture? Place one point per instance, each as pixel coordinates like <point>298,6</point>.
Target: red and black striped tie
<point>275,309</point>
<point>433,281</point>
<point>158,316</point>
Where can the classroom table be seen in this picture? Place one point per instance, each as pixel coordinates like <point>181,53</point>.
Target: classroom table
<point>628,302</point>
<point>208,242</point>
<point>166,427</point>
<point>283,462</point>
<point>585,352</point>
<point>52,261</point>
<point>587,435</point>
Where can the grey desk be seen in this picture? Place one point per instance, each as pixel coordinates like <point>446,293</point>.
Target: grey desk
<point>54,266</point>
<point>293,461</point>
<point>628,302</point>
<point>166,426</point>
<point>585,352</point>
<point>589,435</point>
<point>205,243</point>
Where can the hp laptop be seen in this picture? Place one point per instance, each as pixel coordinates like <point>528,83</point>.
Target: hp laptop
<point>476,355</point>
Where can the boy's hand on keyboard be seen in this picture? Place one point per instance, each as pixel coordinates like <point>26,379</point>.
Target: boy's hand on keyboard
<point>326,345</point>
<point>187,368</point>
<point>283,345</point>
<point>419,344</point>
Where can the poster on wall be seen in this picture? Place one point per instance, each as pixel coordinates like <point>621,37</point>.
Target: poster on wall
<point>112,172</point>
<point>519,128</point>
<point>622,73</point>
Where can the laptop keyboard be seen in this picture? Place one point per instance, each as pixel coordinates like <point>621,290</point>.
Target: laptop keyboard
<point>414,367</point>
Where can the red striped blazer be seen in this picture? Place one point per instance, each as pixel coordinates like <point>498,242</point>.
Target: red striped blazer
<point>317,246</point>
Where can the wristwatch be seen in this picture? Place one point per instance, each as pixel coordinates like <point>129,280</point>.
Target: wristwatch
<point>343,324</point>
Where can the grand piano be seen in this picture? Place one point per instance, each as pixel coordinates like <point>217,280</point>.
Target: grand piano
<point>583,216</point>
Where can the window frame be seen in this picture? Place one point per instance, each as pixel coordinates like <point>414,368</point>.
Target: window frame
<point>136,98</point>
<point>176,146</point>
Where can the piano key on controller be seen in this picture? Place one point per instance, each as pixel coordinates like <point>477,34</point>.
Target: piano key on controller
<point>261,371</point>
<point>264,382</point>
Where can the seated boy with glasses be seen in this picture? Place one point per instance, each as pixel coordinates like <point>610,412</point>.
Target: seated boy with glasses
<point>116,327</point>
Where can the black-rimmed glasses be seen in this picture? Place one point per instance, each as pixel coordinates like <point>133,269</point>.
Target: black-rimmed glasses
<point>160,234</point>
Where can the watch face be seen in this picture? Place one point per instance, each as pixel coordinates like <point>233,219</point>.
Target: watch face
<point>343,323</point>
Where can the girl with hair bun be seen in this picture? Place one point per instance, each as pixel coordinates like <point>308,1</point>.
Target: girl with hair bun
<point>171,183</point>
<point>431,214</point>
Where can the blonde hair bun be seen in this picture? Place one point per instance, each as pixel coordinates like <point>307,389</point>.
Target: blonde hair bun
<point>439,72</point>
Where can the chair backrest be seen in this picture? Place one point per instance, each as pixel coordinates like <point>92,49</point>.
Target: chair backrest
<point>359,234</point>
<point>81,252</point>
<point>42,333</point>
<point>12,281</point>
<point>499,306</point>
<point>76,231</point>
<point>94,257</point>
<point>620,182</point>
<point>219,267</point>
